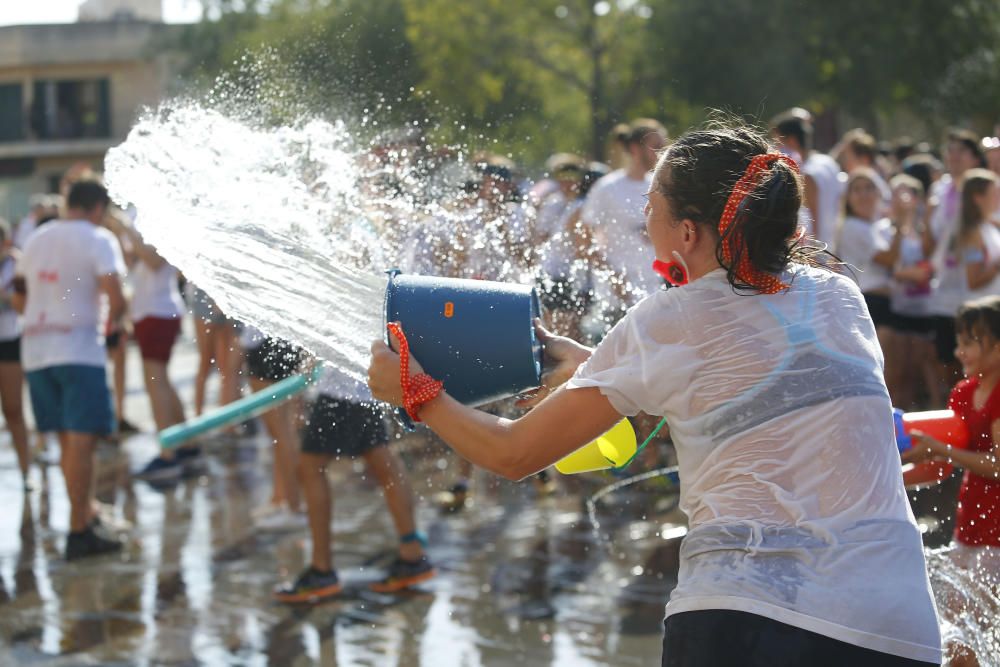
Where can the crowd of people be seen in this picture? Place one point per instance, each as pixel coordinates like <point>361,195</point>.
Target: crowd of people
<point>917,231</point>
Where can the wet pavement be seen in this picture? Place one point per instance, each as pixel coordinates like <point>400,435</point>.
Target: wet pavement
<point>523,580</point>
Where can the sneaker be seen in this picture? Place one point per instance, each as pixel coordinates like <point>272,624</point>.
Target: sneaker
<point>191,462</point>
<point>311,587</point>
<point>403,574</point>
<point>280,520</point>
<point>89,542</point>
<point>125,427</point>
<point>161,470</point>
<point>107,519</point>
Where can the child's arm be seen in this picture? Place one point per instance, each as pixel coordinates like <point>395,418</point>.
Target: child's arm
<point>984,464</point>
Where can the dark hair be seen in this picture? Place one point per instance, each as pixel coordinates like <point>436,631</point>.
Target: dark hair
<point>979,317</point>
<point>86,195</point>
<point>796,123</point>
<point>922,167</point>
<point>594,172</point>
<point>4,230</point>
<point>968,139</point>
<point>636,131</point>
<point>974,183</point>
<point>696,175</point>
<point>902,148</point>
<point>861,144</point>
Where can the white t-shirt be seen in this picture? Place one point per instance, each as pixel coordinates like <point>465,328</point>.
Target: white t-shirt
<point>558,248</point>
<point>64,317</point>
<point>613,212</point>
<point>907,298</point>
<point>857,243</point>
<point>949,286</point>
<point>991,242</point>
<point>825,172</point>
<point>789,471</point>
<point>155,292</point>
<point>10,321</point>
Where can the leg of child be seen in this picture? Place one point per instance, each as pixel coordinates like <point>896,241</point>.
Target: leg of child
<point>388,470</point>
<point>319,505</point>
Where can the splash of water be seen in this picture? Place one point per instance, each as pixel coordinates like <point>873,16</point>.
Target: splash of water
<point>267,221</point>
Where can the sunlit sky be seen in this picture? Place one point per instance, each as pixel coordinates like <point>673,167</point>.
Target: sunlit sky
<point>64,11</point>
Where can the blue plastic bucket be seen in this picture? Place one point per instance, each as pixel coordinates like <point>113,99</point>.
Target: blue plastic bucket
<point>476,336</point>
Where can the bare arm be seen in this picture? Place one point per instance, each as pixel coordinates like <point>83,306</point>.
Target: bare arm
<point>558,425</point>
<point>984,464</point>
<point>111,285</point>
<point>888,258</point>
<point>144,252</point>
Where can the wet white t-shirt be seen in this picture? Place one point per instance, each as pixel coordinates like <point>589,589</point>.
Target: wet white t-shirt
<point>825,172</point>
<point>613,213</point>
<point>63,320</point>
<point>789,471</point>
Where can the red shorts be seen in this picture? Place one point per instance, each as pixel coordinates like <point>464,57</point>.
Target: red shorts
<point>156,336</point>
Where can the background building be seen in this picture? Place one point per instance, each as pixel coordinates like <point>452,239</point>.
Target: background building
<point>69,92</point>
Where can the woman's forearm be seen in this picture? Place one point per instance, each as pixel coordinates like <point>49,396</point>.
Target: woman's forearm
<point>984,464</point>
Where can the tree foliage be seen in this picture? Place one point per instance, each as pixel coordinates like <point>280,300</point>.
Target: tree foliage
<point>537,76</point>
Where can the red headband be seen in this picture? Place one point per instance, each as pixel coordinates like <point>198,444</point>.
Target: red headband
<point>762,281</point>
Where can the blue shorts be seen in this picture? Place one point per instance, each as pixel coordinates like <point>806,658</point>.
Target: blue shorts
<point>71,398</point>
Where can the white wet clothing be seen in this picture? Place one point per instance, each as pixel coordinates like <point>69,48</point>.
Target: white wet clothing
<point>558,247</point>
<point>64,317</point>
<point>790,476</point>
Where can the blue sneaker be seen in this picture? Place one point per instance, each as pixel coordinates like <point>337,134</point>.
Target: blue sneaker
<point>161,470</point>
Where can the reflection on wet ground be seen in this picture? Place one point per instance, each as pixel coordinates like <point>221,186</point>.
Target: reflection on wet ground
<point>522,580</point>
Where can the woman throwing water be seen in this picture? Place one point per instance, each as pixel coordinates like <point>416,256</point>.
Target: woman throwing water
<point>802,549</point>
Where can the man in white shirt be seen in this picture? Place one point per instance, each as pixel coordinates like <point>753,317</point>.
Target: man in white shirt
<point>612,216</point>
<point>67,280</point>
<point>793,131</point>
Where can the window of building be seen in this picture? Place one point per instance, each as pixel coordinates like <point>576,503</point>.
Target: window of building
<point>11,112</point>
<point>71,109</point>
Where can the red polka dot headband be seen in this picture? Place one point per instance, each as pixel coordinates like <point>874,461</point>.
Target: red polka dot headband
<point>746,272</point>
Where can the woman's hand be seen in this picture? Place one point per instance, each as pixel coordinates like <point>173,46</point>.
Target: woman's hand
<point>925,448</point>
<point>562,357</point>
<point>383,372</point>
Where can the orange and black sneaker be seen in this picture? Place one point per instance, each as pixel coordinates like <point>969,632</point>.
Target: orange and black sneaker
<point>403,574</point>
<point>311,587</point>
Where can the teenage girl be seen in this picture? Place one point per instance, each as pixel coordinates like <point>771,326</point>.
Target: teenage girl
<point>802,548</point>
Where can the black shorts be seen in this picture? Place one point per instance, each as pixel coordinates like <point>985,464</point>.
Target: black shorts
<point>343,428</point>
<point>10,350</point>
<point>944,338</point>
<point>725,638</point>
<point>914,325</point>
<point>274,359</point>
<point>878,308</point>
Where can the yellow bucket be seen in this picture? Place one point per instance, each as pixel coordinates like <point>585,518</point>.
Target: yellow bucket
<point>610,450</point>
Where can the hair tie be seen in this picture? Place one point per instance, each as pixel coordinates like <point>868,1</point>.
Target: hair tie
<point>762,281</point>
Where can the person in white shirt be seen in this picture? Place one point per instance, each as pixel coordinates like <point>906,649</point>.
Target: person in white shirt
<point>11,373</point>
<point>68,286</point>
<point>802,548</point>
<point>978,237</point>
<point>862,241</point>
<point>612,217</point>
<point>962,152</point>
<point>823,189</point>
<point>156,310</point>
